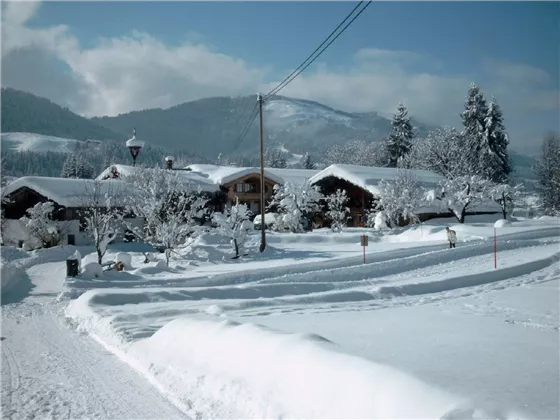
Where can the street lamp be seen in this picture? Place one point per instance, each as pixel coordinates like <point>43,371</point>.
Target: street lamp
<point>134,146</point>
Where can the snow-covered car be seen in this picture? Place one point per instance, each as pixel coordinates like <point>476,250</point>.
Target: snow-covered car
<point>269,219</point>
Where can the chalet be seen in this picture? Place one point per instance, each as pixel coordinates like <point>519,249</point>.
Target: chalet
<point>241,183</point>
<point>68,195</point>
<point>361,184</point>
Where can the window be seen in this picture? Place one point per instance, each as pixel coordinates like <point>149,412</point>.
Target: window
<point>239,188</point>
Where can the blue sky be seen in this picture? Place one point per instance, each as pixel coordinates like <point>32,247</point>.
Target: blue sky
<point>281,34</point>
<point>114,57</point>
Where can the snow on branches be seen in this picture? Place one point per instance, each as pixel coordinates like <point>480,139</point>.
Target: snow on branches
<point>235,225</point>
<point>401,198</point>
<point>101,215</point>
<point>41,226</point>
<point>295,203</point>
<point>400,140</point>
<point>461,193</point>
<point>168,206</point>
<point>506,196</point>
<point>337,212</point>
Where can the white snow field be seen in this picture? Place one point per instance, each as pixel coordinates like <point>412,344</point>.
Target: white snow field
<point>305,330</point>
<point>22,142</point>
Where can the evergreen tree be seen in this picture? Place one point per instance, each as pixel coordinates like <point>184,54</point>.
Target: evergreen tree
<point>70,167</point>
<point>494,159</point>
<point>474,123</point>
<point>400,140</point>
<point>77,166</point>
<point>306,162</point>
<point>548,173</point>
<point>275,158</point>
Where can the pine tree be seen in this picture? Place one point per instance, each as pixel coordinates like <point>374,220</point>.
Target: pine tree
<point>548,174</point>
<point>494,159</point>
<point>306,162</point>
<point>70,167</point>
<point>474,123</point>
<point>275,158</point>
<point>400,140</point>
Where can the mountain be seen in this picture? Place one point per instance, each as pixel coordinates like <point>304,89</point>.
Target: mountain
<point>24,112</point>
<point>212,126</point>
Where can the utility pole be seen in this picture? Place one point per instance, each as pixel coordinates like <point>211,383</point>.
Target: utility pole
<point>263,224</point>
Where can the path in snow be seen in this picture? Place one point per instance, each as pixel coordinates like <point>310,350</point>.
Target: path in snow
<point>49,371</point>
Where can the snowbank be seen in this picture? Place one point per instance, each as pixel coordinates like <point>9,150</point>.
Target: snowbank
<point>15,283</point>
<point>229,370</point>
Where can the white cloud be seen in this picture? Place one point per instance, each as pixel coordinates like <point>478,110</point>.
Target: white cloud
<point>138,71</point>
<point>19,12</point>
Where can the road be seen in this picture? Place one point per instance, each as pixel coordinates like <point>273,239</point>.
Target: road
<point>49,371</point>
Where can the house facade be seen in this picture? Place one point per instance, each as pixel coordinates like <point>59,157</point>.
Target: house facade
<point>70,198</point>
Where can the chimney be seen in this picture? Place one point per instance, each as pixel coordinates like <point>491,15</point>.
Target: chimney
<point>169,162</point>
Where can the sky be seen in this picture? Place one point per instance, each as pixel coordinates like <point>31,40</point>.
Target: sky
<point>106,58</point>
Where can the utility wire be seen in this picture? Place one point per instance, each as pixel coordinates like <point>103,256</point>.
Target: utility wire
<point>303,65</point>
<point>247,127</point>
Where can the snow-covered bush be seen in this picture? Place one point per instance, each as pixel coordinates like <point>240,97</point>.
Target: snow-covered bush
<point>168,206</point>
<point>102,216</point>
<point>338,212</point>
<point>40,226</point>
<point>295,203</point>
<point>235,225</point>
<point>458,194</point>
<point>401,197</point>
<point>381,221</point>
<point>92,269</point>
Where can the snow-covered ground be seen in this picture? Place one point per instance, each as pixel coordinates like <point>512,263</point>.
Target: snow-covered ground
<point>22,142</point>
<point>304,330</point>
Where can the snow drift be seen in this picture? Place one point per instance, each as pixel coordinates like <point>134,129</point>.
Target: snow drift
<point>229,370</point>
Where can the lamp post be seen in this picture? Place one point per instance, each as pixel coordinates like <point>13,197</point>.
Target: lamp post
<point>134,146</point>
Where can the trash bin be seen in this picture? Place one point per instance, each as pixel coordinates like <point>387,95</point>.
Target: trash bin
<point>72,267</point>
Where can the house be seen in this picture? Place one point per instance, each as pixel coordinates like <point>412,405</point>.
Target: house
<point>69,196</point>
<point>195,181</point>
<point>361,184</point>
<point>240,182</point>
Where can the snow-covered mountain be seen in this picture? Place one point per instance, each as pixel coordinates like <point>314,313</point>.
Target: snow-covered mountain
<point>212,126</point>
<point>33,142</point>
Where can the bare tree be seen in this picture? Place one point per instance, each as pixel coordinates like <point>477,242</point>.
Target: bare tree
<point>168,206</point>
<point>102,213</point>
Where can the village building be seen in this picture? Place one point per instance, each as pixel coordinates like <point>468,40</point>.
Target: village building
<point>70,196</point>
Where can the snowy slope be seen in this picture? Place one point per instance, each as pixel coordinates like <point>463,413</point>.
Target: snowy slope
<point>41,143</point>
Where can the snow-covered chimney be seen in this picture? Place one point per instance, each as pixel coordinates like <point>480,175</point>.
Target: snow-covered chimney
<point>169,162</point>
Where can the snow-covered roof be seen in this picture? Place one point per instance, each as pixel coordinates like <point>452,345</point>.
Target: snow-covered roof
<point>193,178</point>
<point>296,176</point>
<point>67,192</point>
<point>368,177</point>
<point>221,175</point>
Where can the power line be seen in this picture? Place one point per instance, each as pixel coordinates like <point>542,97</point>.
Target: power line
<point>246,127</point>
<point>303,65</point>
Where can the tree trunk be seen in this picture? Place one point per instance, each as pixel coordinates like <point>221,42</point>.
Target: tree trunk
<point>167,256</point>
<point>503,205</point>
<point>99,255</point>
<point>236,248</point>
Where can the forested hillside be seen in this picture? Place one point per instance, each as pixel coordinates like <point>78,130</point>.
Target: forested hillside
<point>24,112</point>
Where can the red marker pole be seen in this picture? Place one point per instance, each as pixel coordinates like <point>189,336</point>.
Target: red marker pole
<point>495,250</point>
